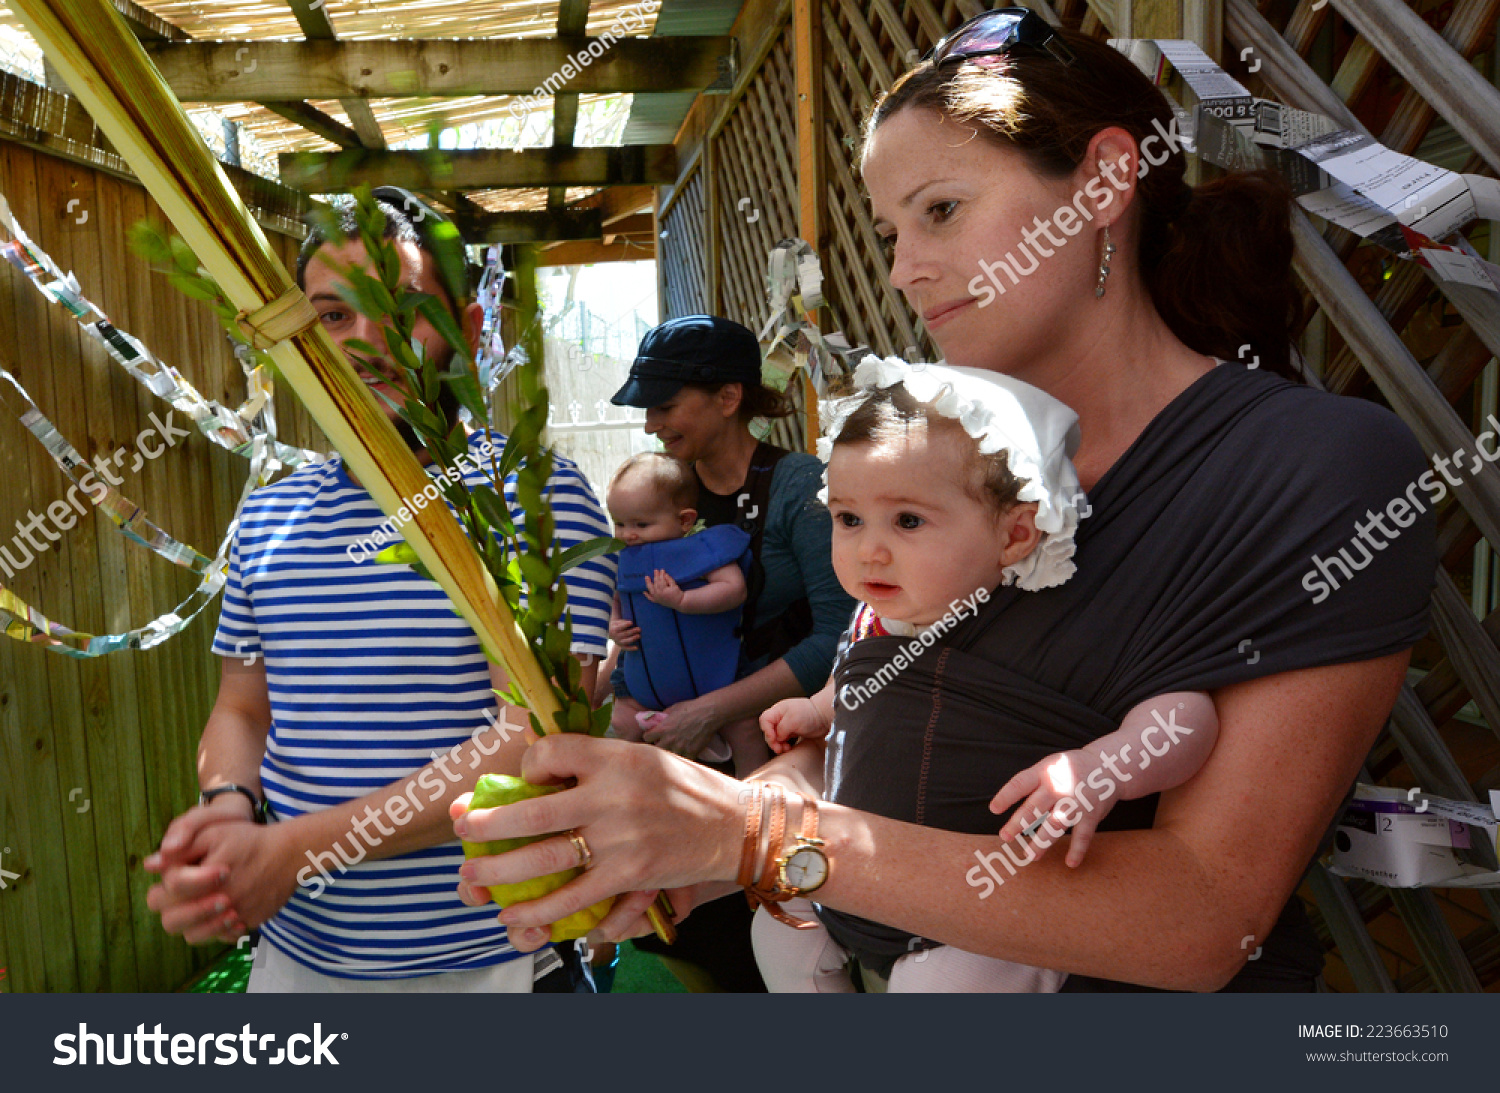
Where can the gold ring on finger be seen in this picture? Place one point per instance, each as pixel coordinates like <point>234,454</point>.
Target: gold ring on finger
<point>585,855</point>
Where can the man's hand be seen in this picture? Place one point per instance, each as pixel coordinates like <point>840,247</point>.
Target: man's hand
<point>191,897</point>
<point>686,727</point>
<point>262,867</point>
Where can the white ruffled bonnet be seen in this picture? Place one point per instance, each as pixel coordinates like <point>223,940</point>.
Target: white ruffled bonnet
<point>1038,433</point>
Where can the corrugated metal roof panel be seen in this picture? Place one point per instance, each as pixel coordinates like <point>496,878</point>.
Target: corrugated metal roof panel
<point>655,119</point>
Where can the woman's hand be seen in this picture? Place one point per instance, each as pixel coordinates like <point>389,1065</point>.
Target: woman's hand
<point>686,727</point>
<point>1048,782</point>
<point>624,633</point>
<point>623,718</point>
<point>651,820</point>
<point>792,719</point>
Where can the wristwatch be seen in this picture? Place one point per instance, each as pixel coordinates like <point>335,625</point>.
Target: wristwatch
<point>257,806</point>
<point>803,867</point>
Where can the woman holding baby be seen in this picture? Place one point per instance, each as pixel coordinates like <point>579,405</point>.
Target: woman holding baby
<point>1206,487</point>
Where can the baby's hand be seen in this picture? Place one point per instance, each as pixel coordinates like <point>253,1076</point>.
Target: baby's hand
<point>791,718</point>
<point>662,589</point>
<point>1052,780</point>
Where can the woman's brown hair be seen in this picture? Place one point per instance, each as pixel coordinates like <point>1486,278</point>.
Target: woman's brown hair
<point>1216,259</point>
<point>755,401</point>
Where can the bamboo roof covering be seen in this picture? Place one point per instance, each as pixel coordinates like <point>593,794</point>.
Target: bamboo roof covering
<point>478,121</point>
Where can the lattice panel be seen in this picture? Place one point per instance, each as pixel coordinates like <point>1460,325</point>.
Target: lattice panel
<point>682,246</point>
<point>755,156</point>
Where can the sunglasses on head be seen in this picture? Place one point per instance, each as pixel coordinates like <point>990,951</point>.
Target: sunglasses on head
<point>436,235</point>
<point>997,32</point>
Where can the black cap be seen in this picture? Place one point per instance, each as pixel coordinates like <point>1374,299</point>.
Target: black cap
<point>690,349</point>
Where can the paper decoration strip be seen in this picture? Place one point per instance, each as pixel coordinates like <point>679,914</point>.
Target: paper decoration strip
<point>129,517</point>
<point>1396,201</point>
<point>232,430</point>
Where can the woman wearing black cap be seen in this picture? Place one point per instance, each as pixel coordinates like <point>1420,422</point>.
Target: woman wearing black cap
<point>698,378</point>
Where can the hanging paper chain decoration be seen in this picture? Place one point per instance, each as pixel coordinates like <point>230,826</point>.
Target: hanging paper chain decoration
<point>233,430</point>
<point>25,623</point>
<point>248,432</point>
<point>794,287</point>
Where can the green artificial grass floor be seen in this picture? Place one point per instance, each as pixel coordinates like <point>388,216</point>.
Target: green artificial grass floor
<point>637,973</point>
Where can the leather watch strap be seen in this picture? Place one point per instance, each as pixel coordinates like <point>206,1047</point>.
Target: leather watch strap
<point>768,885</point>
<point>752,838</point>
<point>809,818</point>
<point>767,892</point>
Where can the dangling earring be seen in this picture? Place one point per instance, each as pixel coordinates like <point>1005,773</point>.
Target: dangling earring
<point>1109,252</point>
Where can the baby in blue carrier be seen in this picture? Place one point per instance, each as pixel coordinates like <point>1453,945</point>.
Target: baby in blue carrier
<point>677,603</point>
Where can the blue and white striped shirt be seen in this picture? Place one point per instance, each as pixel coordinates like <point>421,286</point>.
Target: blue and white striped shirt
<point>370,673</point>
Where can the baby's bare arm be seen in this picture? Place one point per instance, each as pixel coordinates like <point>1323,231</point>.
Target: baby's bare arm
<point>1161,742</point>
<point>725,589</point>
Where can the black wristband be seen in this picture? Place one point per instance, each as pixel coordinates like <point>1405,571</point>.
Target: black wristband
<point>257,806</point>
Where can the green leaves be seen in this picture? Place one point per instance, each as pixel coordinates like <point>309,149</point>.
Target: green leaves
<point>582,552</point>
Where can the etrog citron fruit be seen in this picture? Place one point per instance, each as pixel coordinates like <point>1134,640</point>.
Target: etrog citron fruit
<point>494,790</point>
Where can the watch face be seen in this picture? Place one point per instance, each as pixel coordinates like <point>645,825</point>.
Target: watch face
<point>806,869</point>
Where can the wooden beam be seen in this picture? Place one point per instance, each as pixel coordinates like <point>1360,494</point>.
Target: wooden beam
<point>636,225</point>
<point>581,254</point>
<point>1407,388</point>
<point>1285,72</point>
<point>480,169</point>
<point>812,188</point>
<point>713,230</point>
<point>147,25</point>
<point>1203,22</point>
<point>616,202</point>
<point>572,21</point>
<point>532,227</point>
<point>812,182</point>
<point>435,68</point>
<point>315,121</point>
<point>312,17</point>
<point>1107,13</point>
<point>755,31</point>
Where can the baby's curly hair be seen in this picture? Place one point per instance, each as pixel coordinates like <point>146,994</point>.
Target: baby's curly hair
<point>889,413</point>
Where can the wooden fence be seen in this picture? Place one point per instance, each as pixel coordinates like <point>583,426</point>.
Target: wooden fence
<point>785,137</point>
<point>97,756</point>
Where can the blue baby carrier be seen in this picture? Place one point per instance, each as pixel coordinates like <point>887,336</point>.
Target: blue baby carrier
<point>680,656</point>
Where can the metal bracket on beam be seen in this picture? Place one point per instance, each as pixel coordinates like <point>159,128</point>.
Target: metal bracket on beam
<point>728,71</point>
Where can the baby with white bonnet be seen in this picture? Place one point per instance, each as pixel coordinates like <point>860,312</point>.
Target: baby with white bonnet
<point>944,485</point>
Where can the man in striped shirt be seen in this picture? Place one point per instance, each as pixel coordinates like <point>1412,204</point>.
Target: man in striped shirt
<point>359,704</point>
